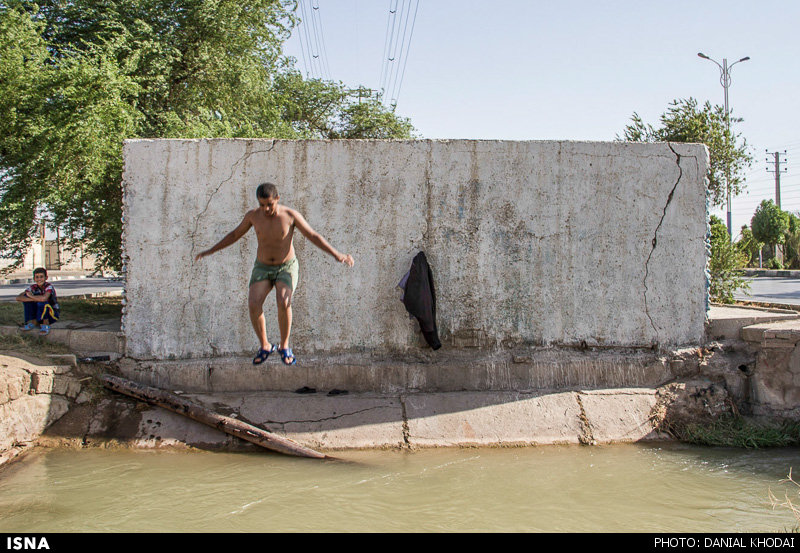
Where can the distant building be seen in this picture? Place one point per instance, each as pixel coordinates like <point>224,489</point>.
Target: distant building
<point>53,255</point>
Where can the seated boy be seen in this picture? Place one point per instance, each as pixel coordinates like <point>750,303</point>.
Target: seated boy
<point>41,304</point>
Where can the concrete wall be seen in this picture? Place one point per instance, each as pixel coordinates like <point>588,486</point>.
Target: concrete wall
<point>530,242</point>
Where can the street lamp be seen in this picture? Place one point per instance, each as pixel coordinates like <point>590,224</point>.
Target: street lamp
<point>725,81</point>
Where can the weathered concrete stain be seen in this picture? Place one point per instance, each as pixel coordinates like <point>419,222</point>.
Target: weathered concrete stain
<point>553,243</point>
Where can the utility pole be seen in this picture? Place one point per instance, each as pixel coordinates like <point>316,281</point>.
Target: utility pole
<point>725,81</point>
<point>777,170</point>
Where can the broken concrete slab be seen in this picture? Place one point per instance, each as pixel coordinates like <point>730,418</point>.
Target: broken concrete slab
<point>779,334</point>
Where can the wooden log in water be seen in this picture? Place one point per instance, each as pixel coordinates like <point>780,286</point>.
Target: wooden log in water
<point>229,425</point>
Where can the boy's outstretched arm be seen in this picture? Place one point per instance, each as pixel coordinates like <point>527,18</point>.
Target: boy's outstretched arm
<point>229,239</point>
<point>317,239</point>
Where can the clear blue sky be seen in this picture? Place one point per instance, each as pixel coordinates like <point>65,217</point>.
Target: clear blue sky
<point>575,69</point>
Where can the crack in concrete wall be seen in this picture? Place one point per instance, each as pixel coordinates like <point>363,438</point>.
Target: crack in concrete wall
<point>243,159</point>
<point>192,236</point>
<point>655,237</point>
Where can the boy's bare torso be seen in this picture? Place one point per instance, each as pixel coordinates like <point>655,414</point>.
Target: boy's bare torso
<point>274,225</point>
<point>274,234</point>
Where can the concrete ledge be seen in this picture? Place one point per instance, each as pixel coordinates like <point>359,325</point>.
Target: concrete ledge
<point>727,322</point>
<point>787,273</point>
<point>80,341</point>
<point>443,371</point>
<point>778,334</point>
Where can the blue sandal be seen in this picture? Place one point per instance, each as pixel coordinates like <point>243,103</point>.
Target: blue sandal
<point>285,354</point>
<point>263,354</point>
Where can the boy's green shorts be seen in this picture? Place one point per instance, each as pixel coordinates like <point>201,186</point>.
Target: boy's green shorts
<point>286,273</point>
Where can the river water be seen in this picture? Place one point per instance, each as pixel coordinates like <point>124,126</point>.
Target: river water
<point>651,488</point>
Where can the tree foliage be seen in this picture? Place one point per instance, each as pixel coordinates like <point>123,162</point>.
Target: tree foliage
<point>77,77</point>
<point>724,265</point>
<point>769,223</point>
<point>749,246</point>
<point>686,121</point>
<point>791,242</point>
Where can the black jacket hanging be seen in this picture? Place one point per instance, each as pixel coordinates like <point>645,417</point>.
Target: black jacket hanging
<point>420,298</point>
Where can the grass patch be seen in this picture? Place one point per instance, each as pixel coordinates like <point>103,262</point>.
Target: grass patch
<point>738,431</point>
<point>31,345</point>
<point>72,309</point>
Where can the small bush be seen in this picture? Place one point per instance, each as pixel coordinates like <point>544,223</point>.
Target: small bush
<point>774,263</point>
<point>724,265</point>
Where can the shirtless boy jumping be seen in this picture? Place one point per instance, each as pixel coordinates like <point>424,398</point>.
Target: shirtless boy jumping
<point>275,266</point>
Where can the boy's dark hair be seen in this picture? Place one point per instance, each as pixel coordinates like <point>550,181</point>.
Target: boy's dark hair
<point>266,190</point>
<point>40,270</point>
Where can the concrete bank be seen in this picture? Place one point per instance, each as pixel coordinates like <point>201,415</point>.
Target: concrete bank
<point>34,393</point>
<point>375,421</point>
<point>750,364</point>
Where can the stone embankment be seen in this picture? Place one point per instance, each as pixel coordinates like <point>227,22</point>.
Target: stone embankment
<point>749,364</point>
<point>34,393</point>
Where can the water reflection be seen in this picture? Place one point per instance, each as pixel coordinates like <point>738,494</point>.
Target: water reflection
<point>555,488</point>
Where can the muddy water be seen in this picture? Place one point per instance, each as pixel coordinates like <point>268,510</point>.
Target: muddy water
<point>613,488</point>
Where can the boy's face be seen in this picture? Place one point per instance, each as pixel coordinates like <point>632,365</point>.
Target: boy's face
<point>269,205</point>
<point>39,278</point>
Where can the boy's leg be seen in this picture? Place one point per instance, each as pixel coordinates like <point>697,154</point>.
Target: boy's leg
<point>255,304</point>
<point>30,311</point>
<point>283,295</point>
<point>47,315</point>
<point>40,305</point>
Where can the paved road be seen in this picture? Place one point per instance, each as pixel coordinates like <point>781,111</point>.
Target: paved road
<point>773,290</point>
<point>67,287</point>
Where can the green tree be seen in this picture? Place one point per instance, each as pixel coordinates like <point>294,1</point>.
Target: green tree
<point>319,109</point>
<point>791,242</point>
<point>724,265</point>
<point>749,246</point>
<point>60,137</point>
<point>770,224</point>
<point>77,77</point>
<point>685,121</point>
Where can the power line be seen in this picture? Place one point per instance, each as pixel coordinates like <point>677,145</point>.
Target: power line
<point>396,49</point>
<point>315,53</point>
<point>387,42</point>
<point>392,54</point>
<point>397,55</point>
<point>316,21</point>
<point>405,60</point>
<point>302,50</point>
